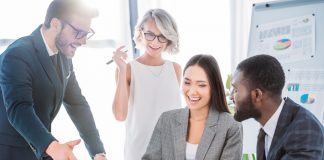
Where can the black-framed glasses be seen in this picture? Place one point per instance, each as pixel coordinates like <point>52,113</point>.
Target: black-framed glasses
<point>80,33</point>
<point>149,36</point>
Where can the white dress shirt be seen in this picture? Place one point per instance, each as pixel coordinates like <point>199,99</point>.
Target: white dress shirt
<point>49,50</point>
<point>270,127</point>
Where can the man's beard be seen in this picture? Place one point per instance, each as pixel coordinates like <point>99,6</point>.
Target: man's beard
<point>246,110</point>
<point>59,43</point>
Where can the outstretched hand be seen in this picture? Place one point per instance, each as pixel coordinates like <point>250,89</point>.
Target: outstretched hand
<point>63,151</point>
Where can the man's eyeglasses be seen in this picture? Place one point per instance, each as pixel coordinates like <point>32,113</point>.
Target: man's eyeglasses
<point>149,36</point>
<point>80,33</point>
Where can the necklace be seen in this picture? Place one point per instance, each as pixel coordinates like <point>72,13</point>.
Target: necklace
<point>197,120</point>
<point>156,71</point>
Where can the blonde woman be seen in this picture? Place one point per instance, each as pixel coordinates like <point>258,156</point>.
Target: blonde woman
<point>148,85</point>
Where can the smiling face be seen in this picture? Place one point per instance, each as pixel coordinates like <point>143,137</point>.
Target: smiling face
<point>66,40</point>
<point>241,96</point>
<point>196,88</point>
<point>152,47</point>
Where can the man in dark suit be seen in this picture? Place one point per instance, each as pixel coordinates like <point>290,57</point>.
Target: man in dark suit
<point>288,130</point>
<point>36,77</point>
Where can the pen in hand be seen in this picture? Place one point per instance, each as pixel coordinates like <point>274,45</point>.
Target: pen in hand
<point>113,60</point>
<point>110,61</point>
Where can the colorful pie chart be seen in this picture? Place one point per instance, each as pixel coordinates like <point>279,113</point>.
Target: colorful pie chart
<point>307,98</point>
<point>282,44</point>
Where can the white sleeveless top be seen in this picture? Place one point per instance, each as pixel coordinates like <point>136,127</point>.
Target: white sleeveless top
<point>153,90</point>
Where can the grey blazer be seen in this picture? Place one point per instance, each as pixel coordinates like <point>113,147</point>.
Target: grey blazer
<point>221,139</point>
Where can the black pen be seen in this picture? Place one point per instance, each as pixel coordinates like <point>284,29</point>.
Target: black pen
<point>112,59</point>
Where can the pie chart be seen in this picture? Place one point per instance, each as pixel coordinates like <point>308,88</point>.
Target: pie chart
<point>282,44</point>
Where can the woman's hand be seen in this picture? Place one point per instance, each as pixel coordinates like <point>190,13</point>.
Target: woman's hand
<point>120,58</point>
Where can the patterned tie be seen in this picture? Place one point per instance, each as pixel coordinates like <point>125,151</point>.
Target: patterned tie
<point>55,60</point>
<point>260,145</point>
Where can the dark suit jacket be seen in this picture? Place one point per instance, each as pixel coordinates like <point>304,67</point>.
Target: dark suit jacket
<point>298,136</point>
<point>221,139</point>
<point>32,93</point>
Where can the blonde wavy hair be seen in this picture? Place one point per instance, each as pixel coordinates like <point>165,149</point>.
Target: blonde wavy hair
<point>167,26</point>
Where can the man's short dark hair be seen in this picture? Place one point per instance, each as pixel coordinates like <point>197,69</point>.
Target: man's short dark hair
<point>63,9</point>
<point>264,72</point>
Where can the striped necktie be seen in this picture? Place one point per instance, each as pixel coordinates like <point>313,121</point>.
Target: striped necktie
<point>260,145</point>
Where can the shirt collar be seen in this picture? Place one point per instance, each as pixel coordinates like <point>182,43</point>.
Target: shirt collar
<point>270,127</point>
<point>49,50</point>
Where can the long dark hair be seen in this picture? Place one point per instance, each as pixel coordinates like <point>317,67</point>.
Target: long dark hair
<point>209,64</point>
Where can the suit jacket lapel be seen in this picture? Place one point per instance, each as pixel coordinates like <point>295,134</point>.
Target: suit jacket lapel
<point>46,62</point>
<point>285,118</point>
<point>208,134</point>
<point>43,56</point>
<point>179,132</point>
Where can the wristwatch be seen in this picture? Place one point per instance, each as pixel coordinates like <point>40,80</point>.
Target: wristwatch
<point>100,154</point>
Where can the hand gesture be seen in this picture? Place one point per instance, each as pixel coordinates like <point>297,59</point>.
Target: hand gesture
<point>120,57</point>
<point>63,151</point>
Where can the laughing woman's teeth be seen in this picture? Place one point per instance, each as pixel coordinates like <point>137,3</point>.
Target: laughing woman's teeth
<point>194,99</point>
